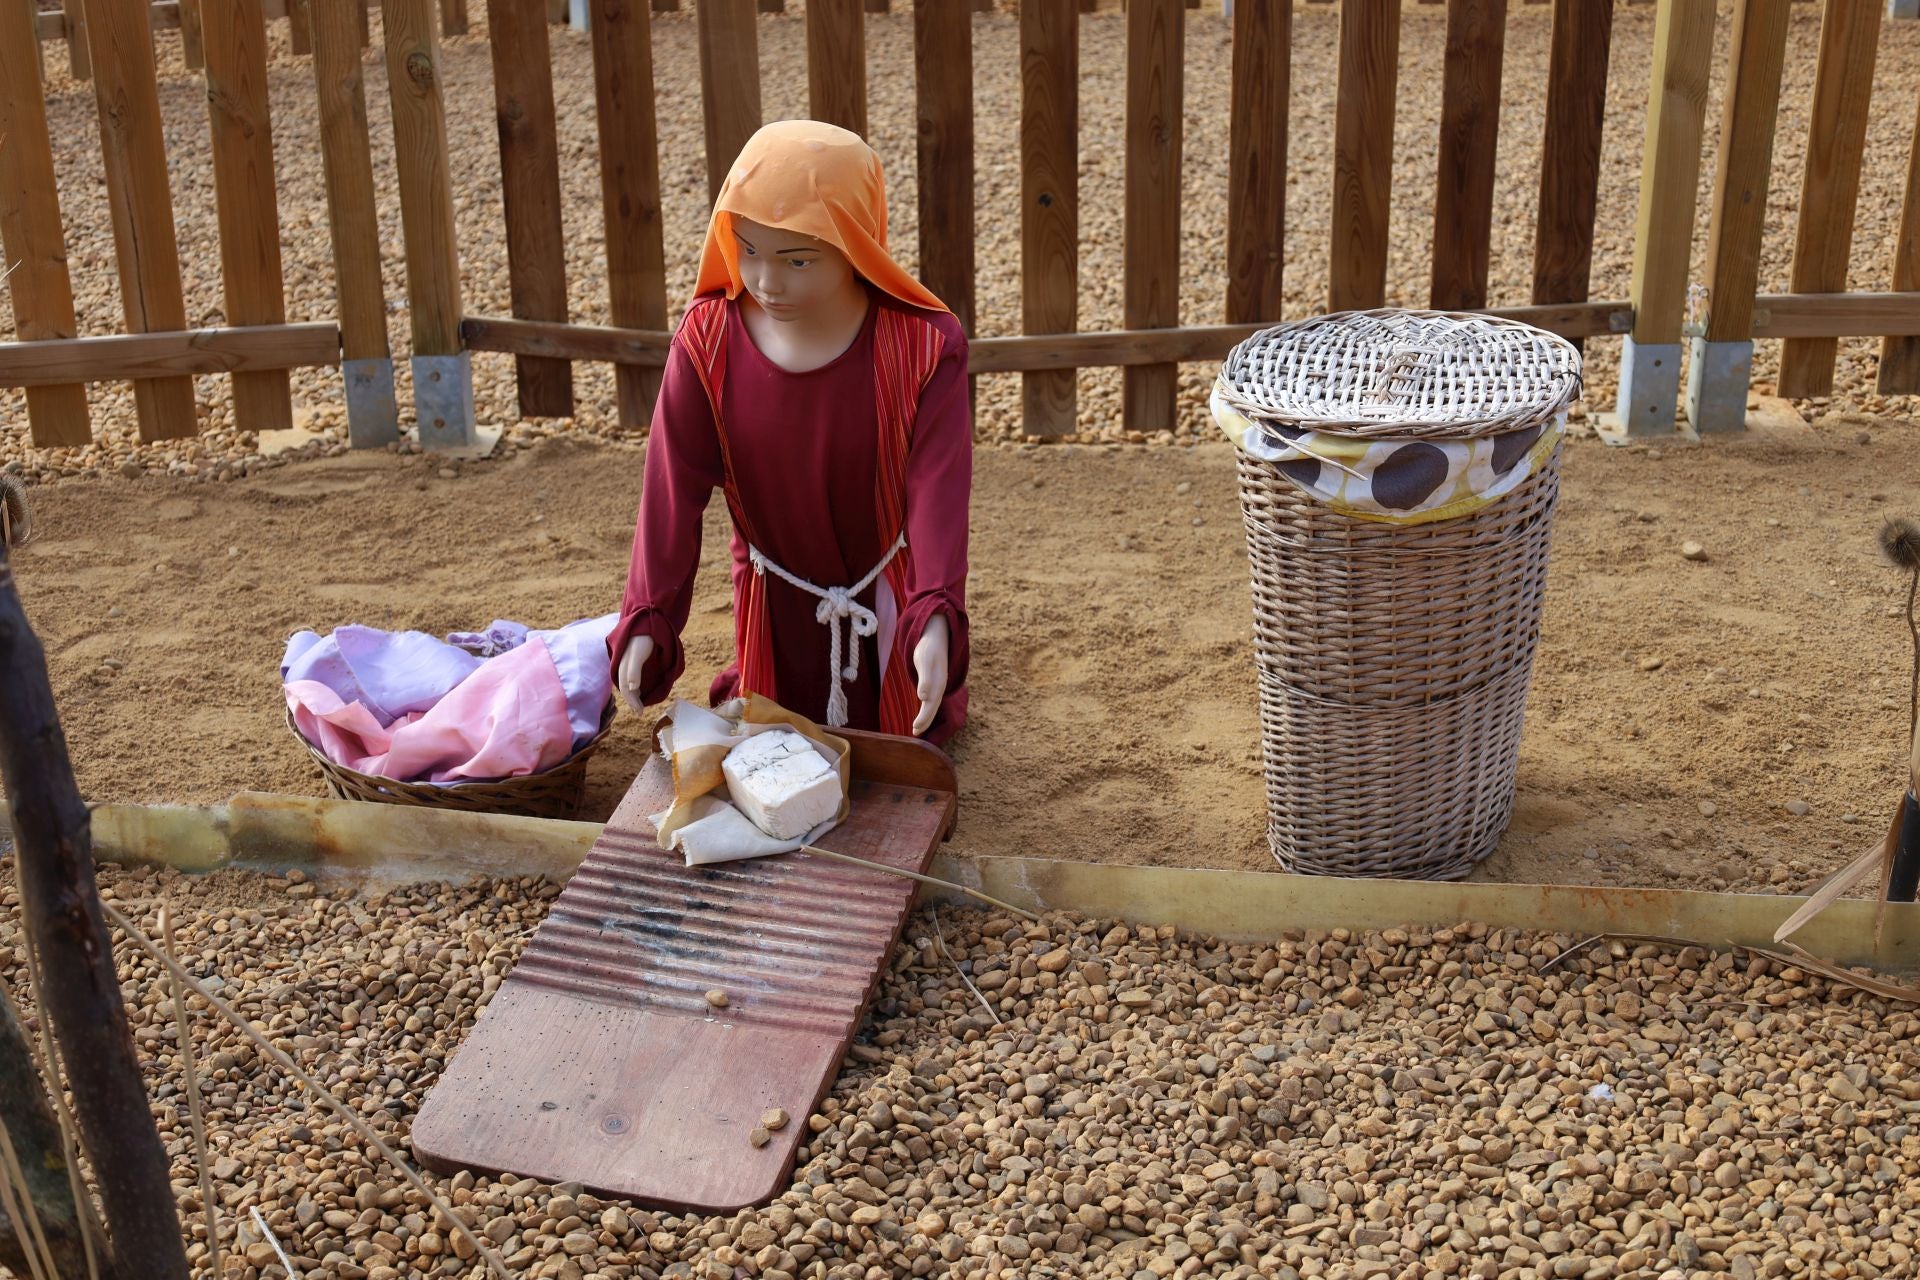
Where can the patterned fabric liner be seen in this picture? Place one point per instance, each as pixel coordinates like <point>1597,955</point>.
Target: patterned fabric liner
<point>1403,482</point>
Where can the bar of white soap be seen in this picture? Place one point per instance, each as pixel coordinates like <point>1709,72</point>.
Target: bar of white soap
<point>781,783</point>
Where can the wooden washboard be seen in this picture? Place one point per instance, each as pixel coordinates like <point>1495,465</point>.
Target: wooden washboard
<point>599,1060</point>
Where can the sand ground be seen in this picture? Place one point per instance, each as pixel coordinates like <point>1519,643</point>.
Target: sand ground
<point>1115,710</point>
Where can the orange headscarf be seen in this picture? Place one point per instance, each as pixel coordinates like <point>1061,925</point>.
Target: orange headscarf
<point>817,179</point>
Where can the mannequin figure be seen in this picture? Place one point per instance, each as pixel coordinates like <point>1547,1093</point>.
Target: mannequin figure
<point>824,391</point>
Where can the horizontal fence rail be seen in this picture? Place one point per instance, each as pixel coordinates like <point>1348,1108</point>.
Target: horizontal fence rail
<point>111,42</point>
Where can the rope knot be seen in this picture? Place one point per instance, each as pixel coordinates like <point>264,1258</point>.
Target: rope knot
<point>837,604</point>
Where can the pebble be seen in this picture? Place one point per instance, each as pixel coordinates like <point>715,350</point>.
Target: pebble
<point>1156,1103</point>
<point>1799,808</point>
<point>717,998</point>
<point>774,1120</point>
<point>1652,664</point>
<point>759,1136</point>
<point>1692,551</point>
<point>448,473</point>
<point>1708,808</point>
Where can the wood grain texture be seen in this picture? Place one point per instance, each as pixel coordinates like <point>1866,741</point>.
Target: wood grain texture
<point>837,63</point>
<point>192,44</point>
<point>605,343</point>
<point>1049,202</point>
<point>453,17</point>
<point>1469,134</point>
<point>347,158</point>
<point>1211,342</point>
<point>1742,167</point>
<point>877,6</point>
<point>133,150</point>
<point>79,55</point>
<point>1900,357</point>
<point>1830,180</point>
<point>1670,167</point>
<point>426,199</point>
<point>157,355</point>
<point>1363,153</point>
<point>772,6</point>
<point>1836,315</point>
<point>729,82</point>
<point>31,238</point>
<point>244,190</point>
<point>1155,84</point>
<point>630,190</point>
<point>299,25</point>
<point>600,1060</point>
<point>943,155</point>
<point>530,191</point>
<point>1257,166</point>
<point>1570,153</point>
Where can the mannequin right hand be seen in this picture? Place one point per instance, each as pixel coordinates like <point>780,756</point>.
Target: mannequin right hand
<point>633,665</point>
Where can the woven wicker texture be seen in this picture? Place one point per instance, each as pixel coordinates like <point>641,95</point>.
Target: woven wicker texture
<point>1411,375</point>
<point>1394,663</point>
<point>556,793</point>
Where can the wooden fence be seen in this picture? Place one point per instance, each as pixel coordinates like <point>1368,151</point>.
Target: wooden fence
<point>226,38</point>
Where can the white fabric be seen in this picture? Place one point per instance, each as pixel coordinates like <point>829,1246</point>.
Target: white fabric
<point>836,604</point>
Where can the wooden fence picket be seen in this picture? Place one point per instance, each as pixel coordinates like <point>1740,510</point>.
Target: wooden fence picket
<point>943,110</point>
<point>79,56</point>
<point>1570,152</point>
<point>1830,180</point>
<point>1155,84</point>
<point>1469,133</point>
<point>1363,153</point>
<point>1257,165</point>
<point>1743,166</point>
<point>192,42</point>
<point>837,63</point>
<point>729,82</point>
<point>1900,355</point>
<point>244,191</point>
<point>1049,202</point>
<point>347,158</point>
<point>530,192</point>
<point>120,43</point>
<point>630,191</point>
<point>35,247</point>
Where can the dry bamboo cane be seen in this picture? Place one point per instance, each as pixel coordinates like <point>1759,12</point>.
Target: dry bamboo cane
<point>817,851</point>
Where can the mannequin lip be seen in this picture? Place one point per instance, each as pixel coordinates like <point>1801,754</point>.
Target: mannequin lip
<point>773,306</point>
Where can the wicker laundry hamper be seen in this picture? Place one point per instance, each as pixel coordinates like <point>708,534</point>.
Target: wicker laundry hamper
<point>1394,642</point>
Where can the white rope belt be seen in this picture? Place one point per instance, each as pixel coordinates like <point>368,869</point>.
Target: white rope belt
<point>836,604</point>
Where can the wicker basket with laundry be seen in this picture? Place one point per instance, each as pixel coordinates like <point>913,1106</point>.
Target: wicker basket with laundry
<point>1398,472</point>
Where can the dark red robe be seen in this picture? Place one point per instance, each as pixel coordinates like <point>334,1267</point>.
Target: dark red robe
<point>805,454</point>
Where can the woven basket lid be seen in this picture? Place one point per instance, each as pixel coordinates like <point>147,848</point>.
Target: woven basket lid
<point>1406,374</point>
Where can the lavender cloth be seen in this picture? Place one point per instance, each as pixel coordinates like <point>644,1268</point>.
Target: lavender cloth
<point>396,673</point>
<point>389,672</point>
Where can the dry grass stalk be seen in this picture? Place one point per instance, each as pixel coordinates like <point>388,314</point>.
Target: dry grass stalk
<point>817,851</point>
<point>940,939</point>
<point>16,1201</point>
<point>273,1241</point>
<point>195,1109</point>
<point>69,1139</point>
<point>292,1068</point>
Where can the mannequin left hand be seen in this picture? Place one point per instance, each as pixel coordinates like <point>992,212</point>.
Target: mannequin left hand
<point>930,671</point>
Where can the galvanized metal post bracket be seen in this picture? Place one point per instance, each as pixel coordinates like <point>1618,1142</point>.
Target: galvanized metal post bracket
<point>443,403</point>
<point>1718,377</point>
<point>373,412</point>
<point>1649,392</point>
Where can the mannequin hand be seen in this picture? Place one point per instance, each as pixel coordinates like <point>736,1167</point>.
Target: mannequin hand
<point>930,671</point>
<point>633,665</point>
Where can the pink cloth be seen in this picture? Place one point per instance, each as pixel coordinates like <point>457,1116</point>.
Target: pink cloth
<point>506,720</point>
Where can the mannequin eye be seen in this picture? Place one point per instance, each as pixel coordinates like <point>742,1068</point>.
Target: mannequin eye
<point>799,264</point>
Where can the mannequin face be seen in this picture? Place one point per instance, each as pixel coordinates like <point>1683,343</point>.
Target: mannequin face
<point>792,276</point>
